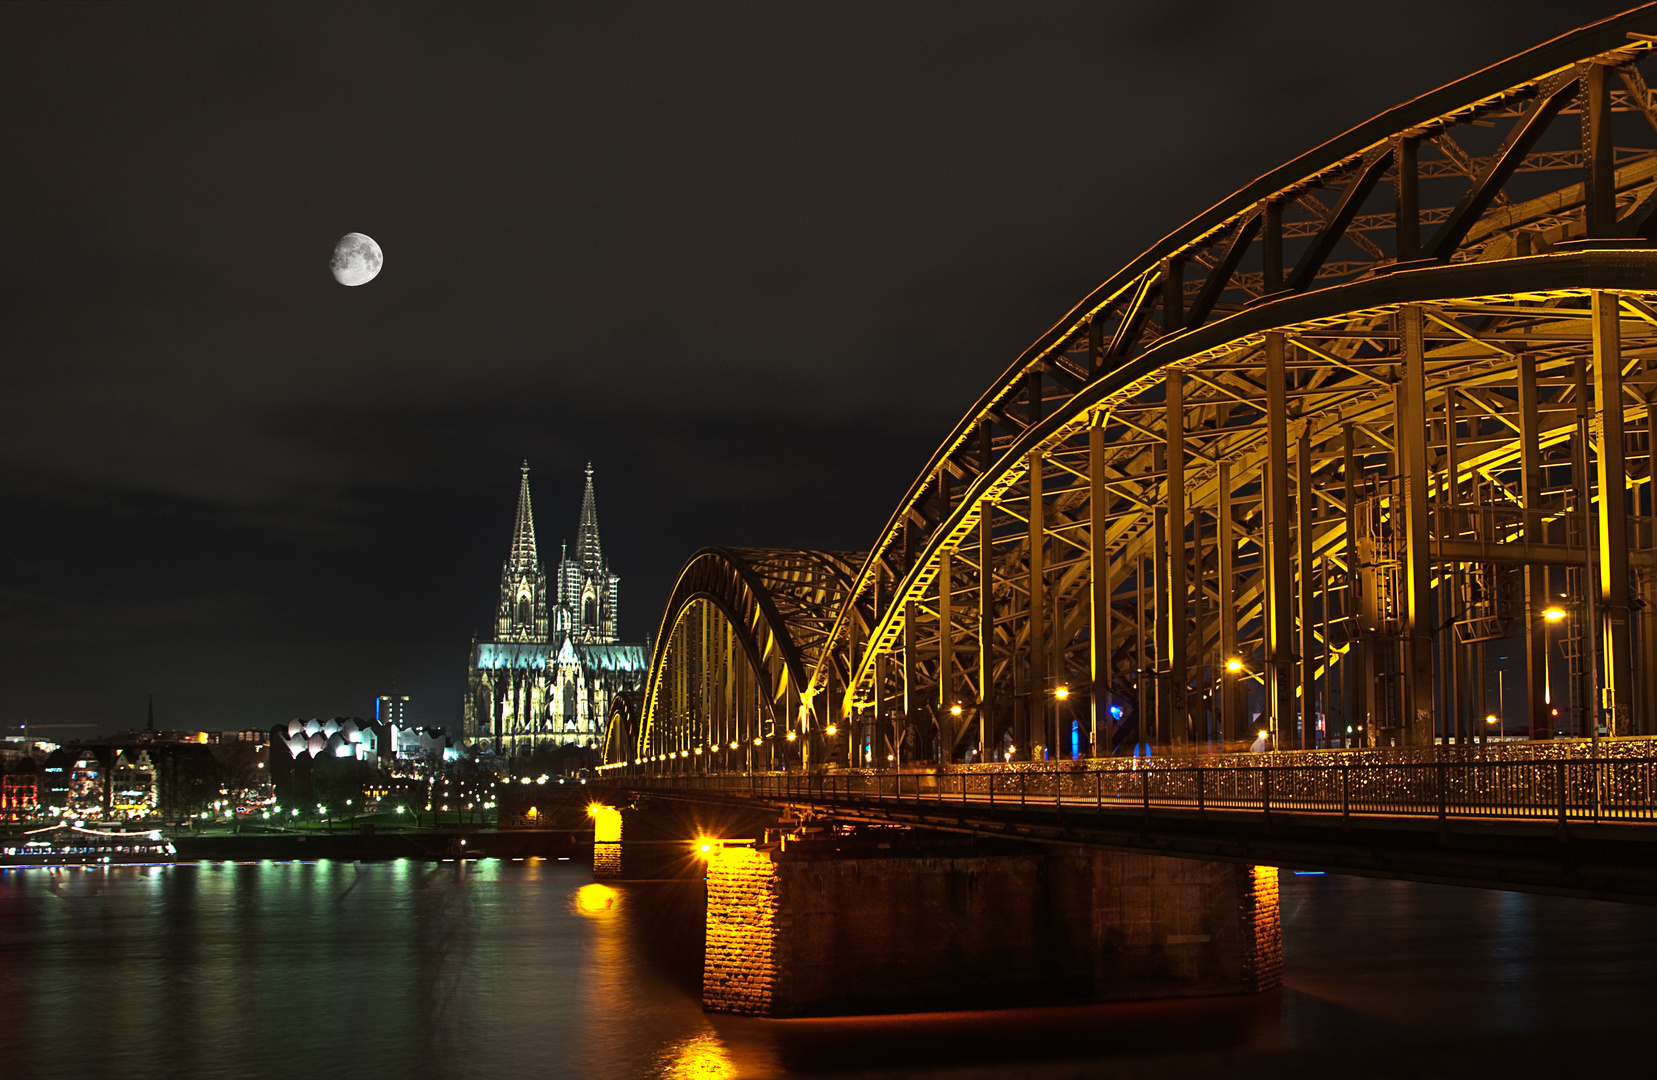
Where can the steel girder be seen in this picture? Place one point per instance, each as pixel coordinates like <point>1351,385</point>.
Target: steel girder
<point>743,630</point>
<point>1296,436</point>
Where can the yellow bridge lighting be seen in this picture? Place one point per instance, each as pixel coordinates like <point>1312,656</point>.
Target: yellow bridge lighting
<point>698,750</point>
<point>1492,719</point>
<point>1554,614</point>
<point>955,709</point>
<point>831,730</point>
<point>734,744</point>
<point>757,740</point>
<point>1234,665</point>
<point>1062,693</point>
<point>792,736</point>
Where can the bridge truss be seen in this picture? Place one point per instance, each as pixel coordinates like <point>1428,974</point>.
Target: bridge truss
<point>1287,478</point>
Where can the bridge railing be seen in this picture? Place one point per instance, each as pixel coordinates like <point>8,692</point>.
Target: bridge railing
<point>1614,790</point>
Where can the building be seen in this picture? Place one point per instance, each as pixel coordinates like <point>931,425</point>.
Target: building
<point>133,789</point>
<point>20,794</point>
<point>391,709</point>
<point>545,678</point>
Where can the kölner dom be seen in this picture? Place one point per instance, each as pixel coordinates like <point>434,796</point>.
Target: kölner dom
<point>546,678</point>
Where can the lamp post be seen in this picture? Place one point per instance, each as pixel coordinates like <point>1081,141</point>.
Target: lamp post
<point>1550,616</point>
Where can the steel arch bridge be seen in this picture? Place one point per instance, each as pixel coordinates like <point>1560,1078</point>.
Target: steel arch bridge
<point>1284,478</point>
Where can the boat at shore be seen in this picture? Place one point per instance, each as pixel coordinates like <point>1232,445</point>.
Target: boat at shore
<point>85,845</point>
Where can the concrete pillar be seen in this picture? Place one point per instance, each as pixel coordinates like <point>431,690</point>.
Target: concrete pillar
<point>969,927</point>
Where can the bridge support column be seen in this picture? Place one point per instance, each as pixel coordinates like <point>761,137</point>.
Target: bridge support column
<point>818,931</point>
<point>607,828</point>
<point>1279,603</point>
<point>1540,722</point>
<point>1099,585</point>
<point>1035,711</point>
<point>1172,653</point>
<point>1306,735</point>
<point>1232,686</point>
<point>1410,418</point>
<point>1612,477</point>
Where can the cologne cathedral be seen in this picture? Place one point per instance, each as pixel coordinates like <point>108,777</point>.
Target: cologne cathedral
<point>546,677</point>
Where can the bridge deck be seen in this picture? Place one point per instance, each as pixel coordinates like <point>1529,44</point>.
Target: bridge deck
<point>1574,827</point>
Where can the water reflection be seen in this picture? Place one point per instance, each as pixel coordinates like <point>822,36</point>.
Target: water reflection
<point>482,969</point>
<point>701,1058</point>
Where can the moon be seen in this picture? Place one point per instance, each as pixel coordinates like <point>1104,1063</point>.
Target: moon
<point>357,259</point>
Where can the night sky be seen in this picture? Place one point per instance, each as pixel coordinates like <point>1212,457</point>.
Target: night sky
<point>751,261</point>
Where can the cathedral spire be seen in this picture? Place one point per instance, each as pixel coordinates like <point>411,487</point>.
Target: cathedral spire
<point>523,557</point>
<point>586,537</point>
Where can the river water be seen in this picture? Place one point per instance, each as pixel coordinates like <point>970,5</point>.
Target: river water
<point>528,969</point>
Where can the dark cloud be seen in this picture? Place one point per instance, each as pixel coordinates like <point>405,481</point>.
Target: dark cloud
<point>750,260</point>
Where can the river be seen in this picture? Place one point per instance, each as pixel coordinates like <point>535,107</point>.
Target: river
<point>528,969</point>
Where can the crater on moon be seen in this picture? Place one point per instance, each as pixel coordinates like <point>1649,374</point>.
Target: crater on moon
<point>357,259</point>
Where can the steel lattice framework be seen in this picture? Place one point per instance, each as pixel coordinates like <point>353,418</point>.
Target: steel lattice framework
<point>1292,470</point>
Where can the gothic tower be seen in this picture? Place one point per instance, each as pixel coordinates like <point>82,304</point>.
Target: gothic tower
<point>522,615</point>
<point>587,592</point>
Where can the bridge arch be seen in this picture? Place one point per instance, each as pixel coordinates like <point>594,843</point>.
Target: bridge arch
<point>1284,477</point>
<point>741,634</point>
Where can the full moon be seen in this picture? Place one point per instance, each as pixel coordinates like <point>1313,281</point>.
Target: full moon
<point>357,259</point>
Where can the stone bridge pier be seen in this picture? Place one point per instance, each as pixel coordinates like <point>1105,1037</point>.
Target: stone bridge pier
<point>821,927</point>
<point>878,920</point>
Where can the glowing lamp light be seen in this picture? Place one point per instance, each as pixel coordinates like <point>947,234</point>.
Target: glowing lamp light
<point>733,744</point>
<point>955,710</point>
<point>1554,614</point>
<point>792,736</point>
<point>757,740</point>
<point>831,730</point>
<point>698,750</point>
<point>891,757</point>
<point>707,846</point>
<point>1062,693</point>
<point>1234,665</point>
<point>1491,719</point>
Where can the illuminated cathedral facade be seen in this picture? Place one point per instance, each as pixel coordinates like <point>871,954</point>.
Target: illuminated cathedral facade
<point>555,658</point>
